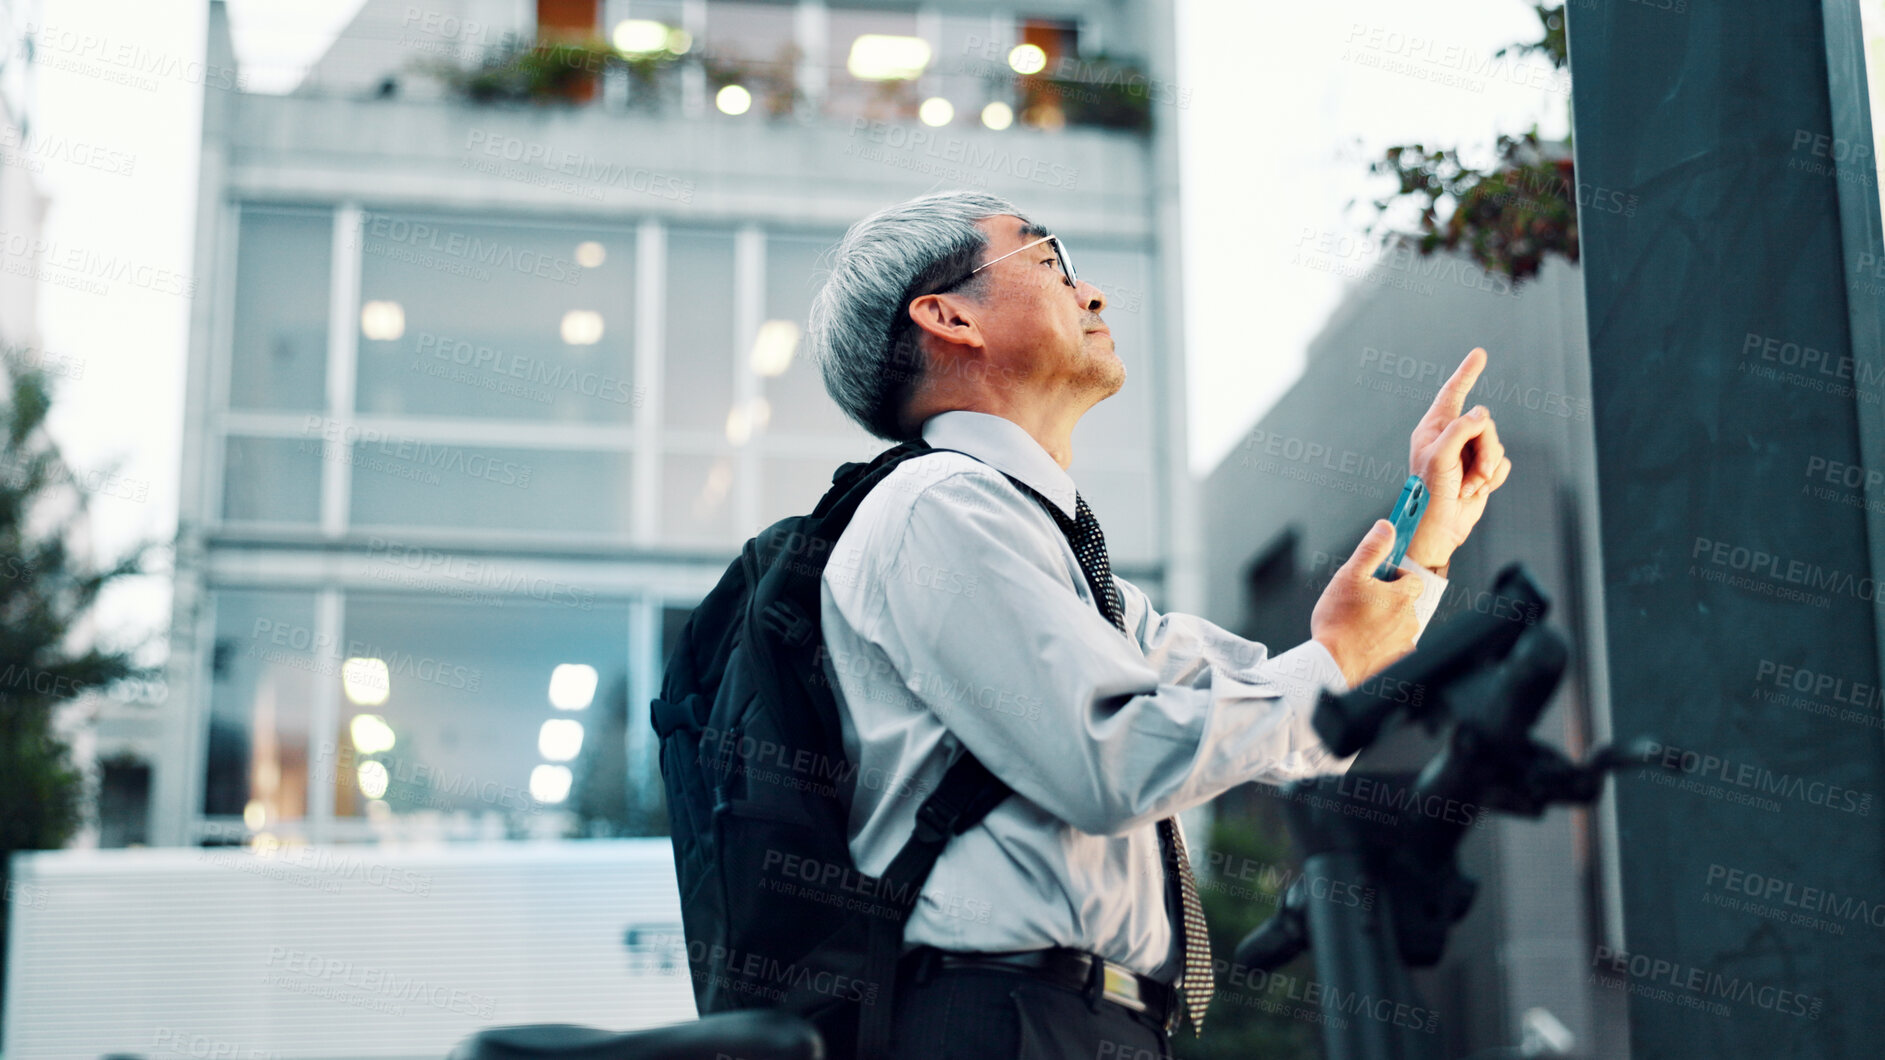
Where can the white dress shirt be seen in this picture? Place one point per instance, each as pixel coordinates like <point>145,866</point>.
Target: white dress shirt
<point>955,615</point>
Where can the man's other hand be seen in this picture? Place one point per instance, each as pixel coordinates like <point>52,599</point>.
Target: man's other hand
<point>1366,623</point>
<point>1461,461</point>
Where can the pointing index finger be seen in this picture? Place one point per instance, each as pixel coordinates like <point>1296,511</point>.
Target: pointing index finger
<point>1452,396</point>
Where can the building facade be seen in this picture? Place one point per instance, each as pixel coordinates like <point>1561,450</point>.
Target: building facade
<point>1285,508</point>
<point>484,396</point>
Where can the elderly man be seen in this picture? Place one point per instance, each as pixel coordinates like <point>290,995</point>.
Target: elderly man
<point>1066,924</point>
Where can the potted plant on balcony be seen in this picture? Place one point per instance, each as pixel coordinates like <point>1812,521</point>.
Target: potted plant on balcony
<point>559,70</point>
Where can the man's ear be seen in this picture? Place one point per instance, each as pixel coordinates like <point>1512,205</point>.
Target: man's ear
<point>949,318</point>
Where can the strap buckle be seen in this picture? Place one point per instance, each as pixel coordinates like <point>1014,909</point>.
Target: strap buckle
<point>935,820</point>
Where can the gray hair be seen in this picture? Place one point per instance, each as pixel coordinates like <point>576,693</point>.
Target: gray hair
<point>859,329</point>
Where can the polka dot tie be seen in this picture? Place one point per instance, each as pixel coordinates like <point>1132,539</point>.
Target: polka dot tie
<point>1196,984</point>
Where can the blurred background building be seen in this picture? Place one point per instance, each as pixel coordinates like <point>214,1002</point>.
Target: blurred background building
<point>1286,507</point>
<point>22,203</point>
<point>494,362</point>
<point>485,393</point>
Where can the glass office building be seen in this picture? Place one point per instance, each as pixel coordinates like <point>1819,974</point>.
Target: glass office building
<point>483,397</point>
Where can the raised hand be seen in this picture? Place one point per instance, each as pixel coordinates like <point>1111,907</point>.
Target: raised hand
<point>1461,461</point>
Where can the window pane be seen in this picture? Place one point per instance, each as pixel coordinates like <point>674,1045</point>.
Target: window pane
<point>276,480</point>
<point>697,500</point>
<point>673,620</point>
<point>697,381</point>
<point>503,321</point>
<point>877,100</point>
<point>263,673</point>
<point>455,709</point>
<point>799,404</point>
<point>278,357</point>
<point>971,68</point>
<point>403,482</point>
<point>753,45</point>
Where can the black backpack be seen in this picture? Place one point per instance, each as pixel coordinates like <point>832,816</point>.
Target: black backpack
<point>774,909</point>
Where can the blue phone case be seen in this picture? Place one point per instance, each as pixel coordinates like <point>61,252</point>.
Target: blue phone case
<point>1406,517</point>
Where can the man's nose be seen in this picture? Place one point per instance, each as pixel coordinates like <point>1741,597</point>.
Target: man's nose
<point>1090,296</point>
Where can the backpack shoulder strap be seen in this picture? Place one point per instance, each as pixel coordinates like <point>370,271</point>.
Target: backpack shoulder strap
<point>966,794</point>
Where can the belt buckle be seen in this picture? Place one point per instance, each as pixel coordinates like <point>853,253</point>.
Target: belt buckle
<point>1122,987</point>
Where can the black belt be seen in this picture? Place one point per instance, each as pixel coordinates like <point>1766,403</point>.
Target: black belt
<point>1074,969</point>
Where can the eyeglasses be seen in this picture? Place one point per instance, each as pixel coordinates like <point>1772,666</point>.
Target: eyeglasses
<point>1071,278</point>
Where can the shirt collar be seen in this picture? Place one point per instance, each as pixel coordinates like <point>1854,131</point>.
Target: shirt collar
<point>1003,445</point>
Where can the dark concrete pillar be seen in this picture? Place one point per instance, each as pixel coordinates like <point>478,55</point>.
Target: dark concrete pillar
<point>1730,227</point>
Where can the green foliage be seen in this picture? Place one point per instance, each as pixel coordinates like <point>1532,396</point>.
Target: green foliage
<point>1246,1019</point>
<point>44,595</point>
<point>1510,217</point>
<point>773,83</point>
<point>1551,45</point>
<point>1104,92</point>
<point>520,71</point>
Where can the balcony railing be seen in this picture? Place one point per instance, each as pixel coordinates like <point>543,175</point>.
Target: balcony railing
<point>656,69</point>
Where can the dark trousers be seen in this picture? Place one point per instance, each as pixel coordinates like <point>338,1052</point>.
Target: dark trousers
<point>983,1014</point>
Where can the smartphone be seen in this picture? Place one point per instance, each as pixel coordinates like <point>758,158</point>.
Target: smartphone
<point>1406,518</point>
